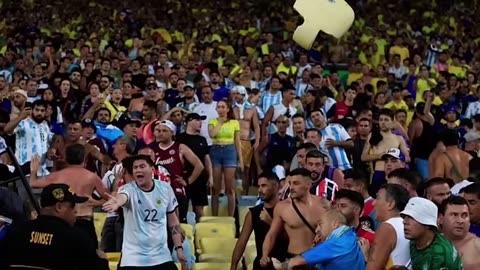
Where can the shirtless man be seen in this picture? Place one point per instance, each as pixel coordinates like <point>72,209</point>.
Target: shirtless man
<point>136,103</point>
<point>378,144</point>
<point>74,136</point>
<point>455,222</point>
<point>81,180</point>
<point>247,116</point>
<point>156,94</point>
<point>453,163</point>
<point>285,217</point>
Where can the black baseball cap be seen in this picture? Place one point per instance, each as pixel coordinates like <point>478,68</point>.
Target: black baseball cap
<point>58,193</point>
<point>88,123</point>
<point>194,116</point>
<point>188,87</point>
<point>125,119</point>
<point>151,84</point>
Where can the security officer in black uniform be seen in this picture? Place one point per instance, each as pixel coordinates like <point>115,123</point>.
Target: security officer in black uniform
<point>51,242</point>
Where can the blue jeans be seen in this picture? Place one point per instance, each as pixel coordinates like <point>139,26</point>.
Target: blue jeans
<point>224,156</point>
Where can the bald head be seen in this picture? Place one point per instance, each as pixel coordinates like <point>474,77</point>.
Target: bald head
<point>328,222</point>
<point>335,217</point>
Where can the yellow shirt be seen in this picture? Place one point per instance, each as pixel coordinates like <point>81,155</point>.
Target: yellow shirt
<point>113,109</point>
<point>402,51</point>
<point>381,43</point>
<point>437,101</point>
<point>288,70</point>
<point>458,71</point>
<point>226,134</point>
<point>353,77</point>
<point>410,114</point>
<point>422,86</point>
<point>392,105</point>
<point>374,83</point>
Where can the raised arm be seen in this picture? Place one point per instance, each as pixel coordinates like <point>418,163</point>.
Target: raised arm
<point>34,167</point>
<point>214,129</point>
<point>10,126</point>
<point>115,202</point>
<point>366,156</point>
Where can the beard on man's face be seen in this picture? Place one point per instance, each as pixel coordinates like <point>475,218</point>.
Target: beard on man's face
<point>38,118</point>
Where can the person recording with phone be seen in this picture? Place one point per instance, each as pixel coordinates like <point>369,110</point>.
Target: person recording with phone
<point>33,135</point>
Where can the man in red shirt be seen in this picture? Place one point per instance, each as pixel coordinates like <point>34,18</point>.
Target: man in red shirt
<point>350,204</point>
<point>356,182</point>
<point>172,156</point>
<point>345,108</point>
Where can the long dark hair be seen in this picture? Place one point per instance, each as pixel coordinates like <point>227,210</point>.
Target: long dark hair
<point>230,114</point>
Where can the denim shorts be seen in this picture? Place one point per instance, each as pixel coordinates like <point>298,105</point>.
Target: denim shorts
<point>224,156</point>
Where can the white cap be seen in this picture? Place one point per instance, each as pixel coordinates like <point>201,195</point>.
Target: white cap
<point>43,86</point>
<point>456,189</point>
<point>471,136</point>
<point>240,89</point>
<point>395,153</point>
<point>421,210</point>
<point>168,124</point>
<point>21,92</point>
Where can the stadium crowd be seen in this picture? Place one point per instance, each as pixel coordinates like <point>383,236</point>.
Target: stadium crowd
<point>364,150</point>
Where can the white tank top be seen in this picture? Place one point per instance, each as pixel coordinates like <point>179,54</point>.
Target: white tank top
<point>401,253</point>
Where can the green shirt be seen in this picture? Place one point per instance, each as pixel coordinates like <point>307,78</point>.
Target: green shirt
<point>440,255</point>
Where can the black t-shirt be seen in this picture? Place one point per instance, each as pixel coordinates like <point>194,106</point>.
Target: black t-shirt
<point>199,146</point>
<point>260,228</point>
<point>49,243</point>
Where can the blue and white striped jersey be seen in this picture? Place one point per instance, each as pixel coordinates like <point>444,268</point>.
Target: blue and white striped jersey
<point>145,231</point>
<point>337,155</point>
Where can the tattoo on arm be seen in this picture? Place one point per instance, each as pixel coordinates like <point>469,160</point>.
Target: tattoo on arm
<point>176,229</point>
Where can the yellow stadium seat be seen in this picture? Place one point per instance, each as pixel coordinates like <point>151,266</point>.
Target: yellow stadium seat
<point>213,230</point>
<point>215,258</point>
<point>222,210</point>
<point>211,266</point>
<point>218,245</point>
<point>192,245</point>
<point>242,213</point>
<point>113,256</point>
<point>99,221</point>
<point>212,219</point>
<point>252,238</point>
<point>250,254</point>
<point>113,265</point>
<point>216,249</point>
<point>188,230</point>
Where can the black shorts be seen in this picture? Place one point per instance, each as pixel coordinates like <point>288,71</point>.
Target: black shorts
<point>163,266</point>
<point>198,192</point>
